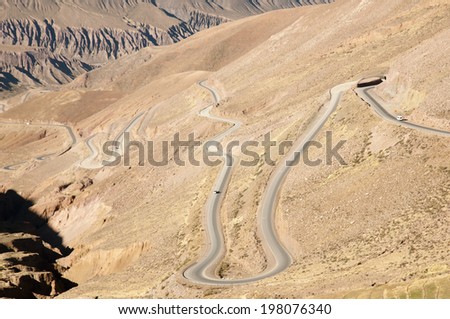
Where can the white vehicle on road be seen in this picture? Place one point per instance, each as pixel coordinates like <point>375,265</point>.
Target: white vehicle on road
<point>400,118</point>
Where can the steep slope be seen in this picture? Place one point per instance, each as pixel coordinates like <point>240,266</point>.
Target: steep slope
<point>66,38</point>
<point>27,262</point>
<point>377,227</point>
<point>232,9</point>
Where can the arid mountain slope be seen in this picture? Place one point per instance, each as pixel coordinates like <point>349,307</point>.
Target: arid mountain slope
<point>51,42</point>
<point>376,227</point>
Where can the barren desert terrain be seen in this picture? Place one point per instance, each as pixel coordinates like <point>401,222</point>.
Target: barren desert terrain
<point>376,227</point>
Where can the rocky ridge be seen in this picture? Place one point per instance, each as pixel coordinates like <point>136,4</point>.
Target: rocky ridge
<point>52,42</point>
<point>28,267</point>
<point>43,53</point>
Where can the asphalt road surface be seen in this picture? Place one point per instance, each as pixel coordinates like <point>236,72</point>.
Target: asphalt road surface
<point>88,163</point>
<point>70,132</point>
<point>204,272</point>
<point>370,99</point>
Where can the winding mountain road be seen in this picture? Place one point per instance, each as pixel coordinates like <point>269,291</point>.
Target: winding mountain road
<point>88,163</point>
<point>372,100</point>
<point>204,271</point>
<point>69,130</point>
<point>121,137</point>
<point>279,259</point>
<point>13,167</point>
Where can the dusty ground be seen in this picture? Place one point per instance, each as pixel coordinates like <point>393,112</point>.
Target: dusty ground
<point>377,227</point>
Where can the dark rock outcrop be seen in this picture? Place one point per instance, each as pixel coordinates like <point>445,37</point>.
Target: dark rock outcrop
<point>52,42</point>
<point>28,266</point>
<point>43,53</point>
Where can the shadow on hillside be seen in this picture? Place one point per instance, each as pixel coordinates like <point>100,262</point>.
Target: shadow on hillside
<point>30,249</point>
<point>371,82</point>
<point>16,215</point>
<point>7,81</point>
